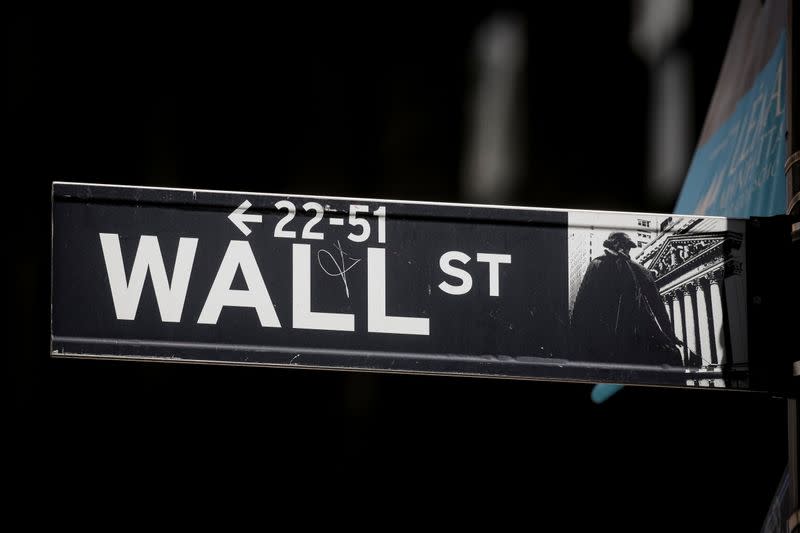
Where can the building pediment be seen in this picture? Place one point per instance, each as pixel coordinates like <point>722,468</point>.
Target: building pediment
<point>680,253</point>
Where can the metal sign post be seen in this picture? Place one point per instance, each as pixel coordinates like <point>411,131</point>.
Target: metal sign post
<point>378,285</point>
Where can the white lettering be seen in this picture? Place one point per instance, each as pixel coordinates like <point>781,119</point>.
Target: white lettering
<point>377,320</point>
<point>239,255</point>
<point>170,296</point>
<point>302,315</point>
<point>494,261</point>
<point>450,270</point>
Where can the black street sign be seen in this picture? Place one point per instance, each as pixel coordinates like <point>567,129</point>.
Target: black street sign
<point>381,285</point>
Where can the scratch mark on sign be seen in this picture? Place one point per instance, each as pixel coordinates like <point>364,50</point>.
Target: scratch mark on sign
<point>341,269</point>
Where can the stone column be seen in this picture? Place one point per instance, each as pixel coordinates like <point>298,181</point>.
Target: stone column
<point>689,318</point>
<point>667,298</point>
<point>679,297</point>
<point>718,312</point>
<point>704,327</point>
<point>693,287</point>
<point>711,332</point>
<point>677,318</point>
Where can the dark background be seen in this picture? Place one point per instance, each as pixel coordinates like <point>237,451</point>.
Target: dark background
<point>369,103</point>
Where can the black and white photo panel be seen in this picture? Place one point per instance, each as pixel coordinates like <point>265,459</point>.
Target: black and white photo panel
<point>658,290</point>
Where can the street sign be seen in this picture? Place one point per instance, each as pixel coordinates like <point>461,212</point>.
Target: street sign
<point>381,285</point>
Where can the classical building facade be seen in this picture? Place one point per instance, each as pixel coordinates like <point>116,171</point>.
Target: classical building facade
<point>697,267</point>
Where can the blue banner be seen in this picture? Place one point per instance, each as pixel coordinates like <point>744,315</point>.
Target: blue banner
<point>738,171</point>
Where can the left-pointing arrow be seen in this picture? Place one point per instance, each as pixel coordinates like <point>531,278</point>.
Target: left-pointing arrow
<point>238,217</point>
